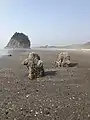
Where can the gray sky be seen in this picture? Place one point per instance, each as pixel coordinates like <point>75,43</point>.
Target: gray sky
<point>53,22</point>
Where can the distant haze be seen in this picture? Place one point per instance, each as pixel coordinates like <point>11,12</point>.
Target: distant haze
<point>52,22</point>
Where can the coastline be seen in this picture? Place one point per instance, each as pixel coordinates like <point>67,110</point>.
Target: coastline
<point>6,52</point>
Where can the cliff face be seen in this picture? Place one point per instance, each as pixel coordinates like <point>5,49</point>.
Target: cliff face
<point>19,40</point>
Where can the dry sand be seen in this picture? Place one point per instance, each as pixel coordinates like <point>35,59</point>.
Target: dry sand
<point>63,94</point>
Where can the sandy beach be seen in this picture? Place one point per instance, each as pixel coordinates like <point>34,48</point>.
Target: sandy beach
<point>62,94</point>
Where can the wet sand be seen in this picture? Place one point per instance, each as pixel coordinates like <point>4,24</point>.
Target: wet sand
<point>62,94</point>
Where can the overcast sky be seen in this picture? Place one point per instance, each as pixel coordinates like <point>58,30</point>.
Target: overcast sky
<point>53,22</point>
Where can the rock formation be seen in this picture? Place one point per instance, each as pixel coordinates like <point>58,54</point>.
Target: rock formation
<point>19,40</point>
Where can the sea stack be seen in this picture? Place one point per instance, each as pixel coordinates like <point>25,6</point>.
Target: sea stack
<point>19,40</point>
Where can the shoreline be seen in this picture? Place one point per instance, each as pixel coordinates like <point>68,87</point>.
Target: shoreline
<point>6,52</point>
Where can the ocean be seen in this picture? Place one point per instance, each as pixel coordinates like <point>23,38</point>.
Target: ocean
<point>4,52</point>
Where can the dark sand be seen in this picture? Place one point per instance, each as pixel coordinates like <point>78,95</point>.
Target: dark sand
<point>63,94</point>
